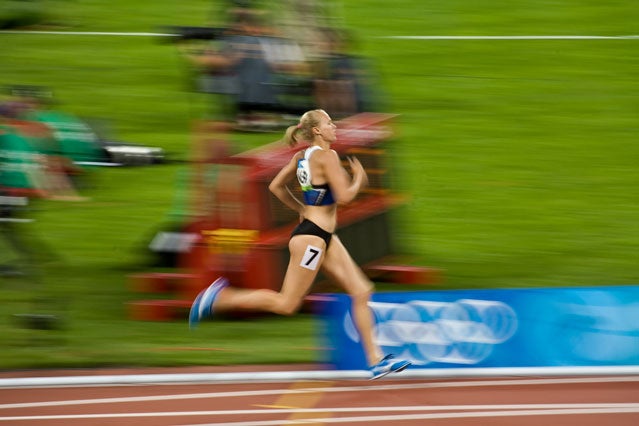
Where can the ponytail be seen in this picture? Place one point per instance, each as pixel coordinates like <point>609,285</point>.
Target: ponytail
<point>290,135</point>
<point>303,130</point>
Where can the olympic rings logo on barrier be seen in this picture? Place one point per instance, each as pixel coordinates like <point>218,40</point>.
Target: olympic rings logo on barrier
<point>460,332</point>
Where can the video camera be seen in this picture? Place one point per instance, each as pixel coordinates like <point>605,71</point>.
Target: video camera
<point>181,33</point>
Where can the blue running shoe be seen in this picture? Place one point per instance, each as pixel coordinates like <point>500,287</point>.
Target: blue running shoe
<point>388,364</point>
<point>202,306</point>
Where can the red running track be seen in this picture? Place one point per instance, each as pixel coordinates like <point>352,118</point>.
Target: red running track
<point>521,401</point>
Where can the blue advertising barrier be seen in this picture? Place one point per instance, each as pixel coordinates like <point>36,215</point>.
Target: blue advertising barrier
<point>576,326</point>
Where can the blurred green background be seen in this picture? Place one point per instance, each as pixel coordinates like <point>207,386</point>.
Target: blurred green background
<point>519,156</point>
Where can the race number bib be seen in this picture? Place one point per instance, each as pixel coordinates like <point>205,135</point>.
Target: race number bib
<point>311,257</point>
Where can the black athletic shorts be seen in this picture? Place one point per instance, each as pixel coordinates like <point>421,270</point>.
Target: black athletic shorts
<point>306,227</point>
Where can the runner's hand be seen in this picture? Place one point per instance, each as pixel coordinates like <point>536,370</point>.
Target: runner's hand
<point>358,171</point>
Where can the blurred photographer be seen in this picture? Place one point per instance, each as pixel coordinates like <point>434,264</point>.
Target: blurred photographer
<point>245,64</point>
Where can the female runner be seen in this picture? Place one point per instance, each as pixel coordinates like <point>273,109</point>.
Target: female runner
<point>313,245</point>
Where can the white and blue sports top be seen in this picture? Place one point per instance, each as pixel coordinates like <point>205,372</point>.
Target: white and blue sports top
<point>314,195</point>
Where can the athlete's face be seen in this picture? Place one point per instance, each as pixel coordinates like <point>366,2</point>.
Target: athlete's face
<point>326,128</point>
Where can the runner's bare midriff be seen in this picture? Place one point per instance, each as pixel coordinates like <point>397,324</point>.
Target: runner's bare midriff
<point>323,216</point>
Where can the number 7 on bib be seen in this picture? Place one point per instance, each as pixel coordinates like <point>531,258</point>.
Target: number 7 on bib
<point>311,257</point>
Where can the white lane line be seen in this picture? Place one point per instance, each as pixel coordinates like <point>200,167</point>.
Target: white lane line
<point>126,400</point>
<point>425,417</point>
<point>454,412</point>
<point>336,389</point>
<point>515,37</point>
<point>288,376</point>
<point>399,37</point>
<point>189,378</point>
<point>91,33</point>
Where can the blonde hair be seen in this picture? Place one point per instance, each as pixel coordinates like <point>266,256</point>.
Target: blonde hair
<point>304,130</point>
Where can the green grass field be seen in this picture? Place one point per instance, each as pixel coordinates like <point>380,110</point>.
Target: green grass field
<point>519,157</point>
